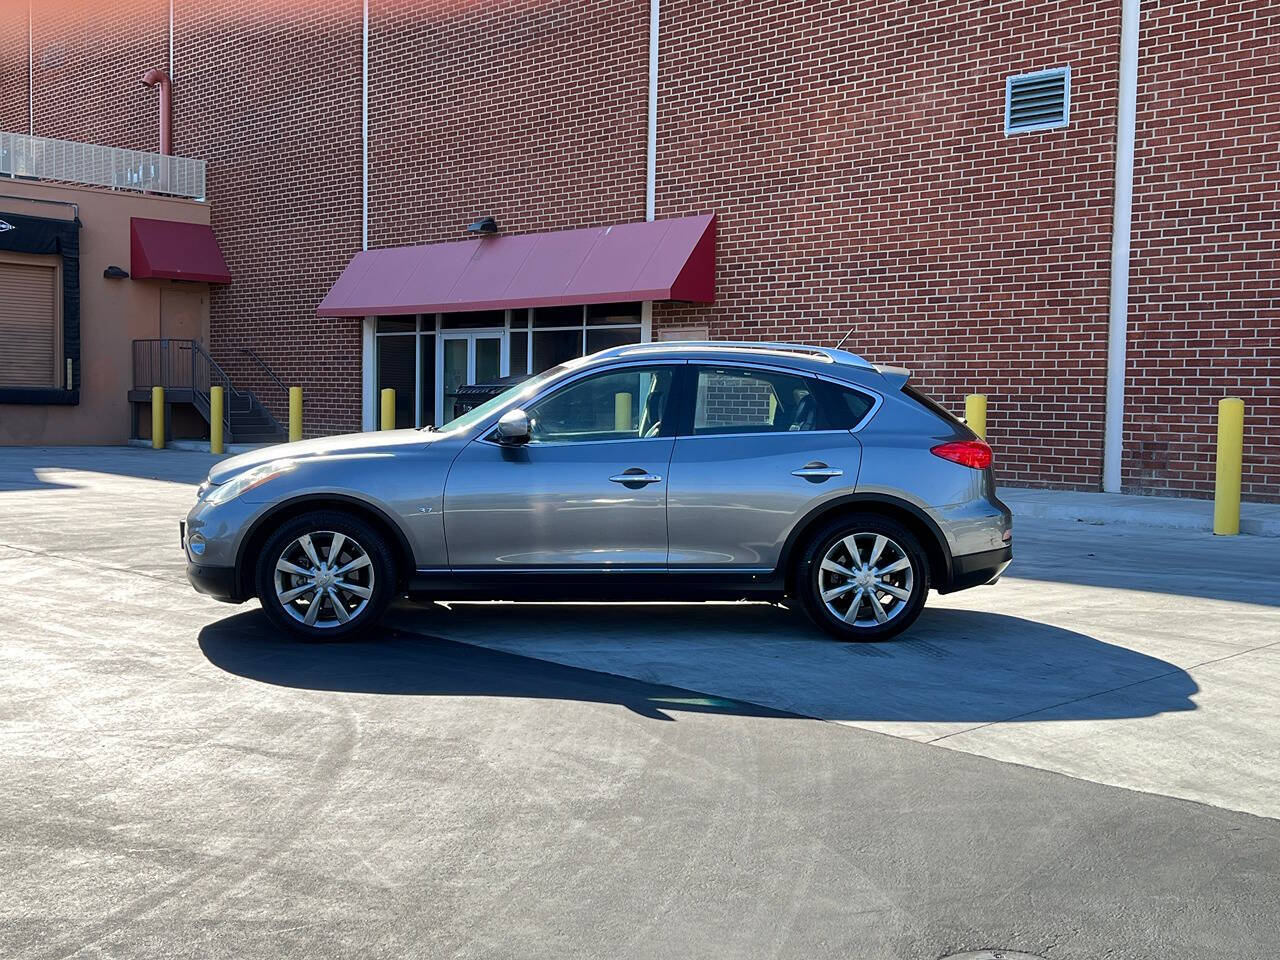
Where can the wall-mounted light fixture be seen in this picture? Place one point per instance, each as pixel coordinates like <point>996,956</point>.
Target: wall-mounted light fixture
<point>486,226</point>
<point>115,273</point>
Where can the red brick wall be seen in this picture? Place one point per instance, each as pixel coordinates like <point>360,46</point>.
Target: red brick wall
<point>854,153</point>
<point>856,157</point>
<point>531,111</point>
<point>1204,308</point>
<point>13,66</point>
<point>271,100</point>
<point>88,58</point>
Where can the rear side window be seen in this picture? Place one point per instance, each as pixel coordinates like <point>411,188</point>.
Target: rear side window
<point>733,400</point>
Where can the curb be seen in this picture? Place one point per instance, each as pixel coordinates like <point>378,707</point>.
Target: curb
<point>1258,520</point>
<point>201,446</point>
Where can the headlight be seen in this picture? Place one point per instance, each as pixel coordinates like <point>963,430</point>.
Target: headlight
<point>244,482</point>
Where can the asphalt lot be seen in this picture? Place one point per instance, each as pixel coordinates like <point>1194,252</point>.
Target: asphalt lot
<point>1080,762</point>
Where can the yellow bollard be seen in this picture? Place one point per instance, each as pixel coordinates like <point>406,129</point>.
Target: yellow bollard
<point>215,420</point>
<point>1226,488</point>
<point>622,412</point>
<point>157,418</point>
<point>975,414</point>
<point>295,414</point>
<point>388,408</point>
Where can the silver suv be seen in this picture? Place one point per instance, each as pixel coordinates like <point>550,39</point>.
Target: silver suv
<point>653,471</point>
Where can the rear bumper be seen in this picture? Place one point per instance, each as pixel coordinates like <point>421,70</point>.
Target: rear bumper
<point>976,569</point>
<point>217,582</point>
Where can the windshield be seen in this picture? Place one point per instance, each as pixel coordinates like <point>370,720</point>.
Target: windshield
<point>487,409</point>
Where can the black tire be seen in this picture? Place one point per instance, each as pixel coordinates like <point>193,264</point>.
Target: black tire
<point>377,577</point>
<point>809,578</point>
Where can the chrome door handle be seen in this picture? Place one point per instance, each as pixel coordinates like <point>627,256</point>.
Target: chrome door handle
<point>638,477</point>
<point>816,470</point>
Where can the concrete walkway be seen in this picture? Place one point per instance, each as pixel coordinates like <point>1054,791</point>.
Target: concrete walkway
<point>1126,509</point>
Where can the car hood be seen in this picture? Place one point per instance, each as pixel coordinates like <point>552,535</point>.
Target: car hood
<point>343,445</point>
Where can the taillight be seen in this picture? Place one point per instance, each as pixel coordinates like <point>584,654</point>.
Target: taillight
<point>967,453</point>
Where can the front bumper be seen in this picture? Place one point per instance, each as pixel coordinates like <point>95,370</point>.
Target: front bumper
<point>976,569</point>
<point>217,582</point>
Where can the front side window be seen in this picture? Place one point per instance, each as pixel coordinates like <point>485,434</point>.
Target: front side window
<point>617,405</point>
<point>753,401</point>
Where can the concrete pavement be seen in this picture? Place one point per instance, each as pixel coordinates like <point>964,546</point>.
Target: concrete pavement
<point>1142,659</point>
<point>182,782</point>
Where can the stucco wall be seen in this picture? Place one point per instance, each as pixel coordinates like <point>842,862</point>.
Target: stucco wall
<point>113,313</point>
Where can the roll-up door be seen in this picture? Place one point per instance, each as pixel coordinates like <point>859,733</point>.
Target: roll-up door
<point>29,331</point>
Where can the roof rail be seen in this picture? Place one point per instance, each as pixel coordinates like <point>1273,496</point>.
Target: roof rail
<point>825,354</point>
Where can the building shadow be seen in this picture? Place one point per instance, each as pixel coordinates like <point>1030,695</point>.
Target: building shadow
<point>955,667</point>
<point>1190,563</point>
<point>22,468</point>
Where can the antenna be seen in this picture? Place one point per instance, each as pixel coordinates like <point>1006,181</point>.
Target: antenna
<point>846,336</point>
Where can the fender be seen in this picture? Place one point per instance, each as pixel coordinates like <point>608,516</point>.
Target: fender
<point>403,549</point>
<point>860,499</point>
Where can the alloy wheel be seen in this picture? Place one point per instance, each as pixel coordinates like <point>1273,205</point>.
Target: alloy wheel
<point>865,579</point>
<point>324,579</point>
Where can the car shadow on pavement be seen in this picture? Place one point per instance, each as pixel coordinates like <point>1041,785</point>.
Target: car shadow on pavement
<point>955,668</point>
<point>407,664</point>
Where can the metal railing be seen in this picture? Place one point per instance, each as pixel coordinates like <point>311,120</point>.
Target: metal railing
<point>186,365</point>
<point>271,375</point>
<point>68,161</point>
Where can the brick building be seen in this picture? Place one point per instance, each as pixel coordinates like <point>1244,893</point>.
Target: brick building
<point>856,156</point>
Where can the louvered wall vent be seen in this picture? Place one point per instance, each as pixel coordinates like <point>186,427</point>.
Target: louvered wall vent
<point>1037,101</point>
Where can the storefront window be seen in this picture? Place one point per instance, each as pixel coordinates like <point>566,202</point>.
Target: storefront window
<point>552,347</point>
<point>396,363</point>
<point>426,358</point>
<point>476,318</point>
<point>396,324</point>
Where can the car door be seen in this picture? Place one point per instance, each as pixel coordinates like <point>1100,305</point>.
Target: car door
<point>587,491</point>
<point>763,447</point>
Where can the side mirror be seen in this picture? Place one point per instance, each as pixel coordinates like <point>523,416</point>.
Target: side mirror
<point>513,428</point>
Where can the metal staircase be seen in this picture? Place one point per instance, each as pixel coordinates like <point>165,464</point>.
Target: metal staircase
<point>187,372</point>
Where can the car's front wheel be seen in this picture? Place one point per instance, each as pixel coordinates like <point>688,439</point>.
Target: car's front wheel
<point>862,577</point>
<point>325,576</point>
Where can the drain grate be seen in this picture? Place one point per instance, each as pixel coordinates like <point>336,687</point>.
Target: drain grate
<point>992,955</point>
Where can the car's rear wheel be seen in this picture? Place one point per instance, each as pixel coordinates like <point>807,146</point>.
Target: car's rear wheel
<point>325,576</point>
<point>862,577</point>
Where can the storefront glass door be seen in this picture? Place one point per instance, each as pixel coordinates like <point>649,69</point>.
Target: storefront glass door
<point>465,357</point>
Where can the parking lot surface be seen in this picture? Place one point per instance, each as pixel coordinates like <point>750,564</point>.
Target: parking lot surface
<point>1079,762</point>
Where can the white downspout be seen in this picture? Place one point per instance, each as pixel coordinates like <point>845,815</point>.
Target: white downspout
<point>364,132</point>
<point>651,156</point>
<point>172,75</point>
<point>368,378</point>
<point>1118,325</point>
<point>31,69</point>
<point>651,148</point>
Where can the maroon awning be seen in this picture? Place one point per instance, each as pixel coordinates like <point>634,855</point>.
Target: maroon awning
<point>659,260</point>
<point>175,251</point>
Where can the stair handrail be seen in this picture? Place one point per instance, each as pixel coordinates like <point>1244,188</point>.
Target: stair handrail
<point>213,375</point>
<point>249,351</point>
<point>158,362</point>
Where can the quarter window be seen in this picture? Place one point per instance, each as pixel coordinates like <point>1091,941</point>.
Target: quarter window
<point>849,407</point>
<point>753,401</point>
<point>618,405</point>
